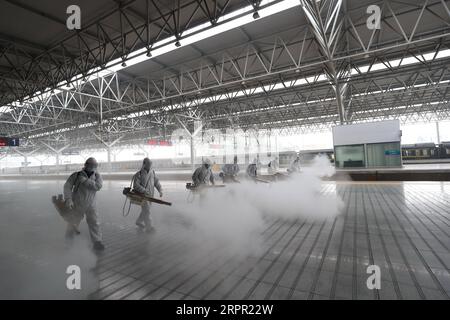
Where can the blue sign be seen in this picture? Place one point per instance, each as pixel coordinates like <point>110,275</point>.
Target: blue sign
<point>391,152</point>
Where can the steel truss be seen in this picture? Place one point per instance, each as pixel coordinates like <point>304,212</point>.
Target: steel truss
<point>329,69</point>
<point>116,33</point>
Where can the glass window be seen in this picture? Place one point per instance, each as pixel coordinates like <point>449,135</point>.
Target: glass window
<point>384,155</point>
<point>349,156</point>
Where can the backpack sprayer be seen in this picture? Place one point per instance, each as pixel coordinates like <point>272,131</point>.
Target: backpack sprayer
<point>137,198</point>
<point>69,215</point>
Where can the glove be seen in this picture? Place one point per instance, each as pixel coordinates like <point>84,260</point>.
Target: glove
<point>69,204</point>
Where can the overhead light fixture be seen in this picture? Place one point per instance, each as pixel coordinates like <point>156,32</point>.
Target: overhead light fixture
<point>256,15</point>
<point>124,64</point>
<point>149,54</point>
<point>177,43</point>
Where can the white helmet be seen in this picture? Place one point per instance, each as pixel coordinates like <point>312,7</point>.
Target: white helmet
<point>207,161</point>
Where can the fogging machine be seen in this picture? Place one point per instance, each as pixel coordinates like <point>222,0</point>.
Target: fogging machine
<point>138,198</point>
<point>193,187</point>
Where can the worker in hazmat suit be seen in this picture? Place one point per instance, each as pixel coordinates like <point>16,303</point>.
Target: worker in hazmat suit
<point>79,194</point>
<point>230,171</point>
<point>272,167</point>
<point>145,181</point>
<point>203,175</point>
<point>252,169</point>
<point>295,165</point>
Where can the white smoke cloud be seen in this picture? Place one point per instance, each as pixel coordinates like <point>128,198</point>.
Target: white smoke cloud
<point>233,217</point>
<point>300,196</point>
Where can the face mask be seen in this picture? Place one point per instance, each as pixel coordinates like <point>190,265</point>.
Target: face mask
<point>89,169</point>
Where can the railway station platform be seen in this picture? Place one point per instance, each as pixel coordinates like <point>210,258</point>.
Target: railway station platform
<point>402,227</point>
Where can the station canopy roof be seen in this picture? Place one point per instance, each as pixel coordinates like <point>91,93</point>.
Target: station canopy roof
<point>137,69</point>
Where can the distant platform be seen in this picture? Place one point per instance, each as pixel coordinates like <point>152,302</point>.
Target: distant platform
<point>409,172</point>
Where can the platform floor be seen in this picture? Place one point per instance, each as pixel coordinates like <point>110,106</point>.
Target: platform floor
<point>404,228</point>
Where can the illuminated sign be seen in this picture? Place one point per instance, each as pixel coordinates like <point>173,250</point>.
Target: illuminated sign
<point>156,142</point>
<point>70,153</point>
<point>9,142</point>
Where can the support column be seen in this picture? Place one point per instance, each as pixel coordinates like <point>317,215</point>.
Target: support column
<point>57,153</point>
<point>145,151</point>
<point>25,155</point>
<point>197,128</point>
<point>3,156</point>
<point>192,153</point>
<point>438,134</point>
<point>340,91</point>
<point>108,152</point>
<point>247,146</point>
<point>327,21</point>
<point>108,149</point>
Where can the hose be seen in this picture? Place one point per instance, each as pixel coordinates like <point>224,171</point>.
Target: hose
<point>129,201</point>
<point>124,205</point>
<point>190,196</point>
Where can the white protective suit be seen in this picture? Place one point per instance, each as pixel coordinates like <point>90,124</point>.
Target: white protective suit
<point>146,182</point>
<point>252,170</point>
<point>81,189</point>
<point>202,175</point>
<point>273,166</point>
<point>295,166</point>
<point>230,169</point>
